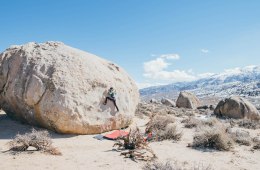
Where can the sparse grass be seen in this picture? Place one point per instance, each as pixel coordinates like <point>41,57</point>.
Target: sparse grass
<point>162,127</point>
<point>214,137</point>
<point>40,140</point>
<point>172,166</point>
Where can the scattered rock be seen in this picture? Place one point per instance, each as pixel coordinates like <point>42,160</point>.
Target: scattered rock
<point>187,100</point>
<point>237,107</point>
<point>63,89</point>
<point>153,101</point>
<point>211,107</point>
<point>203,107</point>
<point>168,102</point>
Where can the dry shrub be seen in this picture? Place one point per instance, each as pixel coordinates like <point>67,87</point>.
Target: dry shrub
<point>249,124</point>
<point>160,166</point>
<point>211,122</point>
<point>241,137</point>
<point>170,132</point>
<point>192,122</point>
<point>256,146</point>
<point>172,166</point>
<point>162,127</point>
<point>159,122</point>
<point>212,137</point>
<point>256,141</point>
<point>132,141</point>
<point>40,140</point>
<point>134,146</point>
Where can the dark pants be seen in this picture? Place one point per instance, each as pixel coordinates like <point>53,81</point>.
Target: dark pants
<point>113,100</point>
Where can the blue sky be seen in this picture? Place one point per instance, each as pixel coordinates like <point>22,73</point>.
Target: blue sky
<point>155,41</point>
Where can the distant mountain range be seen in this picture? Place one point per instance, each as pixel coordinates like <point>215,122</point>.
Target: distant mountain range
<point>239,81</point>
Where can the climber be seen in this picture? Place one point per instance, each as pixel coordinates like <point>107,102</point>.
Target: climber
<point>111,95</point>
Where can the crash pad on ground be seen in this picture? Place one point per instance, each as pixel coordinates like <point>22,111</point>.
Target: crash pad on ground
<point>116,134</point>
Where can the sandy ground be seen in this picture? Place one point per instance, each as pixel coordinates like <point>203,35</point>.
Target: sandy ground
<point>85,152</point>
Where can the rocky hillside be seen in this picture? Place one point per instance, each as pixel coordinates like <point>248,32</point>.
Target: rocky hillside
<point>240,81</point>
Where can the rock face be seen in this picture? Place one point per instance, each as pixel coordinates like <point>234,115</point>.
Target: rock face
<point>187,100</point>
<point>168,102</point>
<point>236,107</point>
<point>63,89</point>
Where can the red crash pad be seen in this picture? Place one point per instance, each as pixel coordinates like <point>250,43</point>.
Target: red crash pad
<point>116,134</point>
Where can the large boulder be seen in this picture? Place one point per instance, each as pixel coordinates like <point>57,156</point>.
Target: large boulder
<point>236,107</point>
<point>168,102</point>
<point>63,89</point>
<point>187,100</point>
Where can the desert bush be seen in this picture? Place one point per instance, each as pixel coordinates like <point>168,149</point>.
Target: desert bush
<point>132,141</point>
<point>162,127</point>
<point>240,136</point>
<point>212,137</point>
<point>160,166</point>
<point>256,145</point>
<point>134,146</point>
<point>159,122</point>
<point>40,140</point>
<point>211,121</point>
<point>170,133</point>
<point>172,166</point>
<point>249,124</point>
<point>190,122</point>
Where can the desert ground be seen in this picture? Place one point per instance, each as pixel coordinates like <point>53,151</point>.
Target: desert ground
<point>85,152</point>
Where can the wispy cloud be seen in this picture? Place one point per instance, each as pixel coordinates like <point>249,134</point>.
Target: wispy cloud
<point>170,56</point>
<point>205,51</point>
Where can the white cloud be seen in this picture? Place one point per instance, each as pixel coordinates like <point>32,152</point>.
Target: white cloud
<point>205,51</point>
<point>155,65</point>
<point>148,84</point>
<point>173,76</point>
<point>205,75</point>
<point>156,70</point>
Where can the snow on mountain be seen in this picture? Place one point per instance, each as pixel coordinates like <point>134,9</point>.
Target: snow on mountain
<point>239,81</point>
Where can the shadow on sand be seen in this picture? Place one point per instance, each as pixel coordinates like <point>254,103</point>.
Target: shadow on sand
<point>10,128</point>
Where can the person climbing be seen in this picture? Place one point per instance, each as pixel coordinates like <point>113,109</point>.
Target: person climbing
<point>111,95</point>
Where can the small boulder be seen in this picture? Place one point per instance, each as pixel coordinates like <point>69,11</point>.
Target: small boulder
<point>237,108</point>
<point>168,102</point>
<point>187,100</point>
<point>153,101</point>
<point>205,107</point>
<point>211,107</point>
